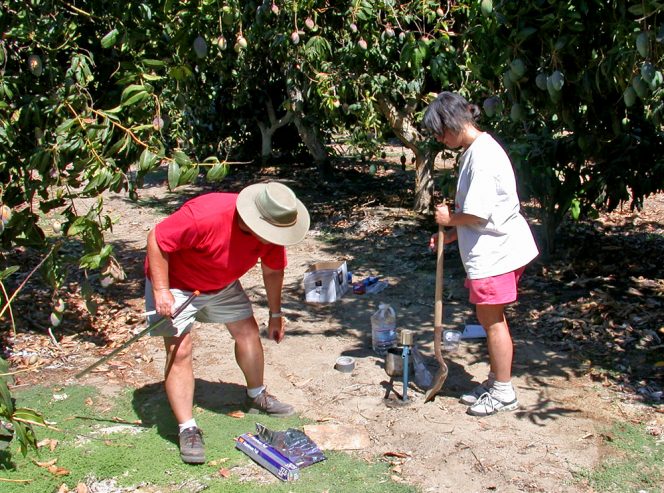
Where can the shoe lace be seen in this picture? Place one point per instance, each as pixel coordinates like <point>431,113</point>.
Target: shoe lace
<point>486,399</point>
<point>193,436</point>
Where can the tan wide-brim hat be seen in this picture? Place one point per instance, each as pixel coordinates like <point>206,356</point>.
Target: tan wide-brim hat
<point>273,212</point>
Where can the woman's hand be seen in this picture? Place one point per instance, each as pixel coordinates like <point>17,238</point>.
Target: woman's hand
<point>443,216</point>
<point>450,237</point>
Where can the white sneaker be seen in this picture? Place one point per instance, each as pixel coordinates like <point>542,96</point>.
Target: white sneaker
<point>488,404</point>
<point>470,398</point>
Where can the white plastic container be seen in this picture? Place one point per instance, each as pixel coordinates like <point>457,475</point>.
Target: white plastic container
<point>383,329</point>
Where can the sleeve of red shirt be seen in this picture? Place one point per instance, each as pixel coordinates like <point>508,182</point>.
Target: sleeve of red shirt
<point>275,257</point>
<point>178,231</point>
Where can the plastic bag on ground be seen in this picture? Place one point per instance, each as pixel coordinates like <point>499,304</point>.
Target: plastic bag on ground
<point>423,377</point>
<point>294,444</point>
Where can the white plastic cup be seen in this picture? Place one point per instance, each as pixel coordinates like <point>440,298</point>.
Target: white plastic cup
<point>451,340</point>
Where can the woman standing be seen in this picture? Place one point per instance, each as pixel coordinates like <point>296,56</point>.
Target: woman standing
<point>495,241</point>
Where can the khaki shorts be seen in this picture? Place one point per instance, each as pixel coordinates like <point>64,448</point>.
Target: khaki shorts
<point>230,304</point>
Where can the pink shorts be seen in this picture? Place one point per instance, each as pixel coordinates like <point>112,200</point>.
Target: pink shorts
<point>495,290</point>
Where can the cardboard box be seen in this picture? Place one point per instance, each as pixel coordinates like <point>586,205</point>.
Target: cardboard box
<point>325,282</point>
<point>268,457</point>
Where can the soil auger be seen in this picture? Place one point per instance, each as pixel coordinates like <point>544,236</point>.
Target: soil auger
<point>138,336</point>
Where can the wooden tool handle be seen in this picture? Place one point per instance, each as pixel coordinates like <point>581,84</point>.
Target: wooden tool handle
<point>441,374</point>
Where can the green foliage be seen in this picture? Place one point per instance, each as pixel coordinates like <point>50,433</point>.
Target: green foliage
<point>16,422</point>
<point>92,98</point>
<point>576,77</point>
<point>105,443</point>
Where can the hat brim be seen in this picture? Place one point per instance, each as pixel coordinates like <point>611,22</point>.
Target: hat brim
<point>278,235</point>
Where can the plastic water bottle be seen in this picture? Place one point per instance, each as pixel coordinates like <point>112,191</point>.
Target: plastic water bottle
<point>383,329</point>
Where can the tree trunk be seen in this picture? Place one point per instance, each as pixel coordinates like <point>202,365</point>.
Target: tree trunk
<point>424,183</point>
<point>404,128</point>
<point>309,134</point>
<point>267,131</point>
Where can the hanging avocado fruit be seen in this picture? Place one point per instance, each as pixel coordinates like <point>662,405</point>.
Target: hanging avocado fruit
<point>200,47</point>
<point>517,69</point>
<point>647,72</point>
<point>629,97</point>
<point>517,113</point>
<point>35,65</point>
<point>640,86</point>
<point>403,162</point>
<point>486,7</point>
<point>642,44</point>
<point>222,43</point>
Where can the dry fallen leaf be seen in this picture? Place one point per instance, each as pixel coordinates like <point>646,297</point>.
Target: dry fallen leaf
<point>225,473</point>
<point>401,455</point>
<point>236,414</point>
<point>46,464</point>
<point>63,488</point>
<point>216,462</point>
<point>89,401</point>
<point>48,442</point>
<point>58,471</point>
<point>82,488</point>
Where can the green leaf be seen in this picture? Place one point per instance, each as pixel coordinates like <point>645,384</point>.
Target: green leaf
<point>90,261</point>
<point>139,97</point>
<point>25,436</point>
<point>575,209</point>
<point>153,63</point>
<point>79,226</point>
<point>147,161</point>
<point>217,172</point>
<point>173,175</point>
<point>5,395</point>
<point>27,414</point>
<point>181,158</point>
<point>130,90</point>
<point>152,77</point>
<point>188,175</point>
<point>110,38</point>
<point>5,274</point>
<point>181,72</point>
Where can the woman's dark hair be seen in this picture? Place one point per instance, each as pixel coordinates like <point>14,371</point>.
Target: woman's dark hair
<point>449,110</point>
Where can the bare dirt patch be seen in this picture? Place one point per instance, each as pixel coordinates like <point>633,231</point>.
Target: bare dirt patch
<point>568,398</point>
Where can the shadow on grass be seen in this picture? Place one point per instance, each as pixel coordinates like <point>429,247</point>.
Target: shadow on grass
<point>6,463</point>
<point>151,404</point>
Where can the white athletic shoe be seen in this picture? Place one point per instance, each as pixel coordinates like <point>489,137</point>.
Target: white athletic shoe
<point>488,404</point>
<point>470,398</point>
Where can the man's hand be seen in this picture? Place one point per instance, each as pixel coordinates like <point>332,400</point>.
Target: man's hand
<point>164,300</point>
<point>276,329</point>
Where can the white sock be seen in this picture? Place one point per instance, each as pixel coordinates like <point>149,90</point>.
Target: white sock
<point>255,392</point>
<point>187,424</point>
<point>503,391</point>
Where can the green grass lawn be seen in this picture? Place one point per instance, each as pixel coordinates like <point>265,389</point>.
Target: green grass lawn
<point>97,441</point>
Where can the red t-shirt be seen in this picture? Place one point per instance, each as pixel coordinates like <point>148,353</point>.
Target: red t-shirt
<point>206,248</point>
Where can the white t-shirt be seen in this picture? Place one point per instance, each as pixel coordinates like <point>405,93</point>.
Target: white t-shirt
<point>487,189</point>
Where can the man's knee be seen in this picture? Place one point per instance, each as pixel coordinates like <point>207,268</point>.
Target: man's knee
<point>179,349</point>
<point>244,330</point>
